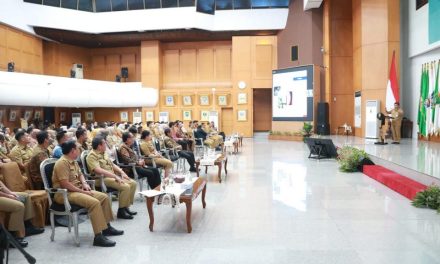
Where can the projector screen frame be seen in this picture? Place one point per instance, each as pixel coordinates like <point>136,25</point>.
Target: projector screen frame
<point>310,99</point>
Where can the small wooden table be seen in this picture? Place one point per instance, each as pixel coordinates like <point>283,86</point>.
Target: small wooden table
<point>199,186</point>
<point>219,163</point>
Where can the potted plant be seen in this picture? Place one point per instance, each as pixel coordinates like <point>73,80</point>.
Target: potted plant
<point>429,198</point>
<point>351,158</point>
<point>306,130</point>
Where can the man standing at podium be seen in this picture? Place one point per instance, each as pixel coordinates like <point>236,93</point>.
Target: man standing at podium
<point>396,115</point>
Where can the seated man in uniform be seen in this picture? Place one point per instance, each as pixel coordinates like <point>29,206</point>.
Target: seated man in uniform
<point>81,139</point>
<point>21,153</point>
<point>148,149</point>
<point>4,149</point>
<point>19,205</point>
<point>127,156</point>
<point>61,138</point>
<point>188,155</point>
<point>67,175</point>
<point>39,153</point>
<point>114,177</point>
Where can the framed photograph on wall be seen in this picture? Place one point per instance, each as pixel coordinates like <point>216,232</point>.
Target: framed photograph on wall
<point>2,114</point>
<point>187,100</point>
<point>241,115</point>
<point>149,116</point>
<point>222,100</point>
<point>169,100</point>
<point>242,98</point>
<point>186,115</point>
<point>37,114</point>
<point>204,99</point>
<point>12,115</point>
<point>89,116</point>
<point>137,117</point>
<point>164,117</point>
<point>27,115</point>
<point>124,116</point>
<point>204,115</point>
<point>63,116</point>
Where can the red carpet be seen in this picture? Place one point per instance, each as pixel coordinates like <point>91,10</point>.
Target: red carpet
<point>401,184</point>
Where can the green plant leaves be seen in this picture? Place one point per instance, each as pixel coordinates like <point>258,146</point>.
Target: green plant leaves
<point>349,158</point>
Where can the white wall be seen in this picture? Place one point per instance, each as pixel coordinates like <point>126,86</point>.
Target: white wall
<point>415,50</point>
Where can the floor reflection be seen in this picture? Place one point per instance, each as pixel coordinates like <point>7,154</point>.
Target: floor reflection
<point>289,185</point>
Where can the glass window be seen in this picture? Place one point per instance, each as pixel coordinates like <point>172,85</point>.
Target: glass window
<point>280,3</point>
<point>119,5</point>
<point>135,4</point>
<point>71,4</point>
<point>103,5</point>
<point>52,3</point>
<point>186,3</point>
<point>152,3</point>
<point>223,4</point>
<point>260,3</point>
<point>85,5</point>
<point>34,1</point>
<point>242,4</point>
<point>206,6</point>
<point>169,3</point>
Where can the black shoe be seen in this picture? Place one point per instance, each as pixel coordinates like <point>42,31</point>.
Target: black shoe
<point>32,230</point>
<point>130,212</point>
<point>101,241</point>
<point>122,214</point>
<point>23,243</point>
<point>111,231</point>
<point>192,170</point>
<point>395,142</point>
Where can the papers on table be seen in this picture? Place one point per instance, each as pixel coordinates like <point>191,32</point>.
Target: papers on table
<point>210,160</point>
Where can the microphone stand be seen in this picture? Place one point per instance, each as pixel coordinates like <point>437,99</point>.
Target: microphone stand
<point>11,240</point>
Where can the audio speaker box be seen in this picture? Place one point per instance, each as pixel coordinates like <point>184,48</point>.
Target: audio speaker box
<point>124,72</point>
<point>323,129</point>
<point>294,53</point>
<point>322,113</point>
<point>11,67</point>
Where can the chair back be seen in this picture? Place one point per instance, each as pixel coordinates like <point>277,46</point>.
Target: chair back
<point>46,170</point>
<point>156,144</point>
<point>116,153</point>
<point>85,167</point>
<point>137,149</point>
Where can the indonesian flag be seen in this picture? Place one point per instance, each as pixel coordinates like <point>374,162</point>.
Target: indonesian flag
<point>392,87</point>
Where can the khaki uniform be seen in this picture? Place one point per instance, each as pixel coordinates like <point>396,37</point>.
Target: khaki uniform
<point>171,143</point>
<point>148,150</point>
<point>127,188</point>
<point>21,155</point>
<point>38,155</point>
<point>396,123</point>
<point>19,211</point>
<point>82,147</point>
<point>98,205</point>
<point>3,152</point>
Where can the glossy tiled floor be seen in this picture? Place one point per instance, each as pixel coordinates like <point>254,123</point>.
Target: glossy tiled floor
<point>275,206</point>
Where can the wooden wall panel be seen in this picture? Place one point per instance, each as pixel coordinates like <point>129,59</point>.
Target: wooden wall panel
<point>374,21</point>
<point>342,44</point>
<point>262,109</point>
<point>222,64</point>
<point>129,61</point>
<point>188,65</point>
<point>263,62</point>
<point>113,66</point>
<point>205,65</point>
<point>342,81</point>
<point>344,108</point>
<point>171,66</point>
<point>375,68</point>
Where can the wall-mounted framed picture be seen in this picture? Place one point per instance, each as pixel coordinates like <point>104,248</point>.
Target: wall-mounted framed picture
<point>169,100</point>
<point>27,115</point>
<point>12,115</point>
<point>2,114</point>
<point>37,114</point>
<point>242,115</point>
<point>137,117</point>
<point>242,98</point>
<point>187,100</point>
<point>186,115</point>
<point>164,117</point>
<point>204,115</point>
<point>149,116</point>
<point>204,99</point>
<point>63,116</point>
<point>222,100</point>
<point>124,116</point>
<point>89,116</point>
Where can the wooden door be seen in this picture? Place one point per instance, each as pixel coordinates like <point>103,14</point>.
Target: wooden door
<point>262,109</point>
<point>227,121</point>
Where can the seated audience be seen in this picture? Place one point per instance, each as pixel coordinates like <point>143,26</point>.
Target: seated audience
<point>39,154</point>
<point>61,138</point>
<point>114,177</point>
<point>149,150</point>
<point>21,153</point>
<point>67,175</point>
<point>188,155</point>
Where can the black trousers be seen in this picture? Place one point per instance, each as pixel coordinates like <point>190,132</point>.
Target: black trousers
<point>152,175</point>
<point>189,156</point>
<point>183,143</point>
